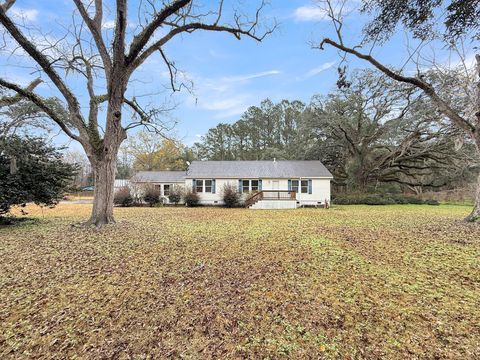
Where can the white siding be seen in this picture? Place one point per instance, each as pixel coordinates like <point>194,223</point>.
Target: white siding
<point>320,190</point>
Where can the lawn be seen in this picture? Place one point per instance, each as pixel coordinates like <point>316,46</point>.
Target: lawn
<point>352,282</point>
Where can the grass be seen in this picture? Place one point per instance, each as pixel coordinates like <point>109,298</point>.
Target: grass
<point>352,282</point>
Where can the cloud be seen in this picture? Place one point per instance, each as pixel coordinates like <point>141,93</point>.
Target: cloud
<point>24,14</point>
<point>247,77</point>
<point>109,24</point>
<point>317,70</point>
<point>226,96</point>
<point>310,13</point>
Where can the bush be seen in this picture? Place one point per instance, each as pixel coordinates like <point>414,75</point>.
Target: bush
<point>175,195</point>
<point>230,195</point>
<point>380,199</point>
<point>151,195</point>
<point>431,202</point>
<point>32,171</point>
<point>191,198</point>
<point>123,197</point>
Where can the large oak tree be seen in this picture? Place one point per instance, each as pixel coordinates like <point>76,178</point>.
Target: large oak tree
<point>437,23</point>
<point>106,61</point>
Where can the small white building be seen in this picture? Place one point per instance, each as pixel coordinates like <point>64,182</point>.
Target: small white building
<point>263,184</point>
<point>164,181</point>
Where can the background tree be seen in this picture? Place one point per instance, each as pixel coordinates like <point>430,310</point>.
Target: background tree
<point>87,51</point>
<point>83,176</point>
<point>31,171</point>
<point>446,25</point>
<point>148,151</point>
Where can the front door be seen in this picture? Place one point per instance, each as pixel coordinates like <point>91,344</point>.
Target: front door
<point>275,185</point>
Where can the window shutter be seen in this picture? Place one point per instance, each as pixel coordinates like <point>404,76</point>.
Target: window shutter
<point>240,186</point>
<point>309,186</point>
<point>213,186</point>
<point>194,185</point>
<point>260,184</point>
<point>289,185</point>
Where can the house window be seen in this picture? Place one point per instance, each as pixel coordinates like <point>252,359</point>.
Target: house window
<point>166,189</point>
<point>199,186</point>
<point>208,186</point>
<point>250,185</point>
<point>304,186</point>
<point>246,186</point>
<point>158,187</point>
<point>295,185</point>
<point>205,186</point>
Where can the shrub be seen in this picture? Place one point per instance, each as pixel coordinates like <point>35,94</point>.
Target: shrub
<point>379,199</point>
<point>230,195</point>
<point>151,195</point>
<point>31,171</point>
<point>191,198</point>
<point>123,197</point>
<point>431,202</point>
<point>175,195</point>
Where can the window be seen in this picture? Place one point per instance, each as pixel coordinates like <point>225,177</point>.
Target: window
<point>158,187</point>
<point>295,185</point>
<point>199,186</point>
<point>304,186</point>
<point>205,186</point>
<point>251,185</point>
<point>208,186</point>
<point>246,186</point>
<point>166,189</point>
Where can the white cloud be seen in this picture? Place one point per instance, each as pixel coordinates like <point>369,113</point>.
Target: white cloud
<point>310,13</point>
<point>109,24</point>
<point>226,96</point>
<point>24,14</point>
<point>319,69</point>
<point>242,78</point>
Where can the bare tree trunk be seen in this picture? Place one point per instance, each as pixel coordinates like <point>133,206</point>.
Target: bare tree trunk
<point>475,214</point>
<point>104,179</point>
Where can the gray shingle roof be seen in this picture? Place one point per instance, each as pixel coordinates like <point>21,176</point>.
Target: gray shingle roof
<point>159,176</point>
<point>257,169</point>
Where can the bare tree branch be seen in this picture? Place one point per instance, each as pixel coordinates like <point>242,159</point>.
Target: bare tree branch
<point>42,60</point>
<point>95,26</point>
<point>7,5</point>
<point>142,39</point>
<point>421,84</point>
<point>37,100</point>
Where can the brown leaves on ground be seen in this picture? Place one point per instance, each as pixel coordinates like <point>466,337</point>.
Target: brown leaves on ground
<point>354,282</point>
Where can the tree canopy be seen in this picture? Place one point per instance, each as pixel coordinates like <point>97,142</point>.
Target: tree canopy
<point>31,171</point>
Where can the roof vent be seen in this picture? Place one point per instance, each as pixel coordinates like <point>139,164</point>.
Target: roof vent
<point>274,160</point>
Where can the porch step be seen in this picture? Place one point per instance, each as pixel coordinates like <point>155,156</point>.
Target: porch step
<point>274,204</point>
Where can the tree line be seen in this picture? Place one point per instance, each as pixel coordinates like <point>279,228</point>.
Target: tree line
<point>374,133</point>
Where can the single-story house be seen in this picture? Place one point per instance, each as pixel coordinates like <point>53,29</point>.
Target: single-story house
<point>264,184</point>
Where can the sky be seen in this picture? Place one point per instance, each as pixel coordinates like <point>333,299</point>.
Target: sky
<point>228,75</point>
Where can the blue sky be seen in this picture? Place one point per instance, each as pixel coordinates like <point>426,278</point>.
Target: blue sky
<point>228,75</point>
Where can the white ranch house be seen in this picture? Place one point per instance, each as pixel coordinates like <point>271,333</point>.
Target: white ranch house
<point>264,184</point>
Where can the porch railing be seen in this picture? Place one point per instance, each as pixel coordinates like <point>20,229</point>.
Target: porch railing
<point>270,195</point>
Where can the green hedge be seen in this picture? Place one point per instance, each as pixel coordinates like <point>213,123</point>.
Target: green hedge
<point>378,199</point>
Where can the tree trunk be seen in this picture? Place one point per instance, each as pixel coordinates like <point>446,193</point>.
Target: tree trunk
<point>475,214</point>
<point>104,179</point>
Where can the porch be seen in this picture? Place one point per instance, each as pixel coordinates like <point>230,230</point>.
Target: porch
<point>272,199</point>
